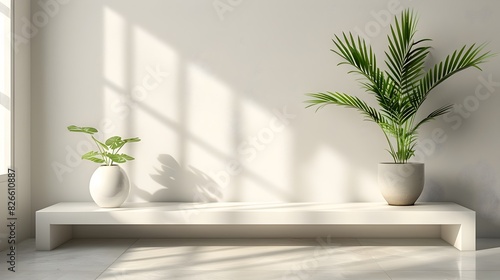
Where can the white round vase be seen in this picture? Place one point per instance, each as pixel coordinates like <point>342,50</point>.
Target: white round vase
<point>401,183</point>
<point>109,186</point>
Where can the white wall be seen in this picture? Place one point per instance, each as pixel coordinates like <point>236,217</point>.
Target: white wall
<point>201,83</point>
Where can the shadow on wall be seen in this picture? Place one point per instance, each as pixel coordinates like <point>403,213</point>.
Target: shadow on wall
<point>181,184</point>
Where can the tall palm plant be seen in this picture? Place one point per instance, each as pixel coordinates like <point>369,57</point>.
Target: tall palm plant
<point>402,89</point>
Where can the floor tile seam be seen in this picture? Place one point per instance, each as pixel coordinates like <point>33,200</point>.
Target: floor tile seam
<point>118,257</point>
<point>387,274</point>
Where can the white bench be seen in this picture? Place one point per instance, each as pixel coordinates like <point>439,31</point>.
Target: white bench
<point>457,223</point>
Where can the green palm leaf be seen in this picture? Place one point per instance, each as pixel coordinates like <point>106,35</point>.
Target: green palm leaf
<point>342,99</point>
<point>458,61</point>
<point>436,113</point>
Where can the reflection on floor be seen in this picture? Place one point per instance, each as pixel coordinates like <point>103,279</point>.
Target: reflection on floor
<point>260,259</point>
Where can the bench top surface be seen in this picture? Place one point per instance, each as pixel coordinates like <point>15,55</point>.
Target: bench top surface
<point>262,207</point>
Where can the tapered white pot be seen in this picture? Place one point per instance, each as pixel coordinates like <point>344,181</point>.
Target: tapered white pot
<point>109,186</point>
<point>401,183</point>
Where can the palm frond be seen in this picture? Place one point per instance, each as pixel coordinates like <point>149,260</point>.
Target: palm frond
<point>356,53</point>
<point>342,99</point>
<point>436,113</point>
<point>405,58</point>
<point>459,60</point>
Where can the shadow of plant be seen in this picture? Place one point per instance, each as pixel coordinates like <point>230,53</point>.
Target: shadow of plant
<point>183,184</point>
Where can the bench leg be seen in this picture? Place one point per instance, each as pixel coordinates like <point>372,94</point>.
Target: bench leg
<point>49,236</point>
<point>463,237</point>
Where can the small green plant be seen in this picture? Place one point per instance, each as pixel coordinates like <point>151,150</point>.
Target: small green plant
<point>402,89</point>
<point>107,152</point>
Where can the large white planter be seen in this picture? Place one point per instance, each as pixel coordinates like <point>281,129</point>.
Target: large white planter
<point>109,186</point>
<point>401,183</point>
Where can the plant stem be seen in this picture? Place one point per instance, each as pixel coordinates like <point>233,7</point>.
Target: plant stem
<point>100,151</point>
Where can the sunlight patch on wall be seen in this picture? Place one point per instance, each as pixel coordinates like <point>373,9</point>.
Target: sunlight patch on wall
<point>264,154</point>
<point>266,169</point>
<point>210,103</point>
<point>155,73</point>
<point>327,174</point>
<point>365,186</point>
